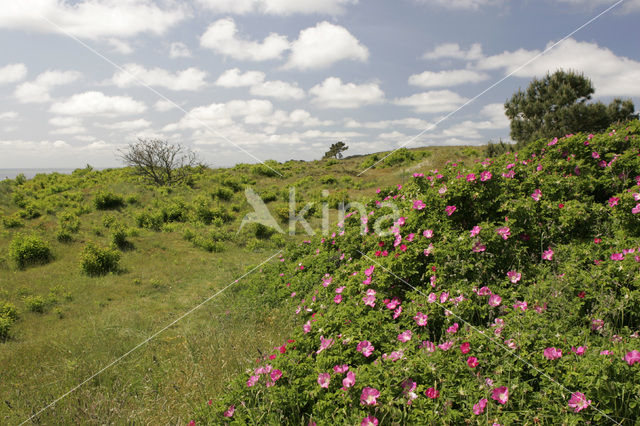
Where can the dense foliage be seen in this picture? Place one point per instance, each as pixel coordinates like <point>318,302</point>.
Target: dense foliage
<point>557,105</point>
<point>507,292</point>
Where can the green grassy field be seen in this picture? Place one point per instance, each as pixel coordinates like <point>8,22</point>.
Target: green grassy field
<point>86,322</point>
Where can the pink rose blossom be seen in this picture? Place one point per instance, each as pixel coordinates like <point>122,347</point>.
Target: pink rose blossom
<point>480,406</point>
<point>419,205</point>
<point>547,255</point>
<point>552,353</point>
<point>369,396</point>
<point>365,347</point>
<point>500,394</point>
<point>324,379</point>
<point>578,402</point>
<point>230,411</point>
<point>405,336</point>
<point>536,195</point>
<point>450,210</point>
<point>349,380</point>
<point>504,232</point>
<point>369,421</point>
<point>432,393</point>
<point>495,300</point>
<point>472,362</point>
<point>475,231</point>
<point>421,319</point>
<point>632,357</point>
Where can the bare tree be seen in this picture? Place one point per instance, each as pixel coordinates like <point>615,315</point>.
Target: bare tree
<point>160,161</point>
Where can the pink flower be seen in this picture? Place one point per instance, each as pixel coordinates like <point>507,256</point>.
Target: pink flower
<point>478,247</point>
<point>230,411</point>
<point>617,256</point>
<point>514,276</point>
<point>306,327</point>
<point>480,406</point>
<point>504,232</point>
<point>432,393</point>
<point>578,401</point>
<point>595,155</point>
<point>393,303</point>
<point>552,353</point>
<point>341,368</point>
<point>252,380</point>
<point>324,344</point>
<point>369,270</point>
<point>636,209</point>
<point>500,394</point>
<point>465,347</point>
<point>405,336</point>
<point>579,350</point>
<point>632,357</point>
<point>475,231</point>
<point>445,346</point>
<point>450,210</point>
<point>370,298</point>
<point>444,296</point>
<point>369,396</point>
<point>613,201</point>
<point>419,205</point>
<point>536,195</point>
<point>338,298</point>
<point>472,362</point>
<point>349,380</point>
<point>453,329</point>
<point>369,421</point>
<point>275,375</point>
<point>365,347</point>
<point>520,305</point>
<point>547,255</point>
<point>340,289</point>
<point>495,300</point>
<point>397,312</point>
<point>596,324</point>
<point>324,379</point>
<point>428,233</point>
<point>485,176</point>
<point>471,177</point>
<point>421,319</point>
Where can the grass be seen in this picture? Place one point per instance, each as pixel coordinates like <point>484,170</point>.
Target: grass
<point>88,322</point>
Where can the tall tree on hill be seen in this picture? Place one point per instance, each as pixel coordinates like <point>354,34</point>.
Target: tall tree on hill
<point>557,105</point>
<point>336,150</point>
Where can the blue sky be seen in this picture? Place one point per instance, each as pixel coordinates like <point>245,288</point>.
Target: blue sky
<point>249,80</point>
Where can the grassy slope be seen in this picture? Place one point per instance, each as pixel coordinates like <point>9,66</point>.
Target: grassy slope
<point>96,320</point>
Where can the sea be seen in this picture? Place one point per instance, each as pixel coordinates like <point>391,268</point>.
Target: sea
<point>29,173</point>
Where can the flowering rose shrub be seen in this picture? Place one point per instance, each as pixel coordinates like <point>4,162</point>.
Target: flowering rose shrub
<point>508,292</point>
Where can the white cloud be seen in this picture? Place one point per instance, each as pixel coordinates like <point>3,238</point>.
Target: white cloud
<point>92,19</point>
<point>611,75</point>
<point>433,101</point>
<point>277,89</point>
<point>8,115</point>
<point>65,121</point>
<point>278,7</point>
<point>495,113</point>
<point>222,37</point>
<point>234,78</point>
<point>179,50</point>
<point>163,105</point>
<point>120,46</point>
<point>323,45</point>
<point>332,93</point>
<point>97,103</point>
<point>138,124</point>
<point>446,78</point>
<point>12,73</point>
<point>409,122</point>
<point>462,4</point>
<point>189,79</point>
<point>71,130</point>
<point>37,91</point>
<point>453,51</point>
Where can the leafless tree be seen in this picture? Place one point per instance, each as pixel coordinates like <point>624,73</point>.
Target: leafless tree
<point>160,161</point>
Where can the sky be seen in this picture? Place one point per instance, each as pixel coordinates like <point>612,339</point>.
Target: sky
<point>243,81</point>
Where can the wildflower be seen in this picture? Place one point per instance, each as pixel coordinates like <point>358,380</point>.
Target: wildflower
<point>432,393</point>
<point>450,210</point>
<point>613,201</point>
<point>504,232</point>
<point>349,380</point>
<point>547,255</point>
<point>397,312</point>
<point>421,319</point>
<point>275,375</point>
<point>453,329</point>
<point>230,411</point>
<point>472,362</point>
<point>393,303</point>
<point>444,296</point>
<point>500,394</point>
<point>369,270</point>
<point>514,276</point>
<point>340,368</point>
<point>617,256</point>
<point>480,406</point>
<point>552,353</point>
<point>578,402</point>
<point>520,305</point>
<point>465,347</point>
<point>485,176</point>
<point>495,300</point>
<point>446,345</point>
<point>405,336</point>
<point>428,233</point>
<point>370,298</point>
<point>579,350</point>
<point>365,347</point>
<point>324,344</point>
<point>478,247</point>
<point>419,205</point>
<point>536,195</point>
<point>324,379</point>
<point>636,209</point>
<point>475,231</point>
<point>338,298</point>
<point>369,396</point>
<point>597,324</point>
<point>632,357</point>
<point>369,421</point>
<point>252,380</point>
<point>432,297</point>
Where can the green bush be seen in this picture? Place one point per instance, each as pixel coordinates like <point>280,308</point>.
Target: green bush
<point>222,193</point>
<point>108,200</point>
<point>36,304</point>
<point>69,222</point>
<point>119,238</point>
<point>149,220</point>
<point>95,261</point>
<point>8,310</point>
<point>29,249</point>
<point>11,222</point>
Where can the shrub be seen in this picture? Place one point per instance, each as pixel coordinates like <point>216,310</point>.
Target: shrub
<point>264,170</point>
<point>63,236</point>
<point>5,327</point>
<point>149,220</point>
<point>95,261</point>
<point>69,222</point>
<point>328,179</point>
<point>11,222</point>
<point>119,238</point>
<point>337,197</point>
<point>8,310</point>
<point>108,201</point>
<point>222,193</point>
<point>29,249</point>
<point>30,211</point>
<point>36,304</point>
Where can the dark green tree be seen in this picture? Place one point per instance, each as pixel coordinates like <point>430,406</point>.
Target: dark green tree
<point>557,105</point>
<point>336,150</point>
